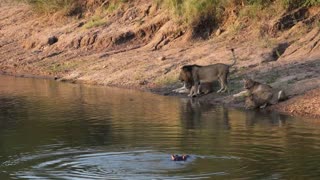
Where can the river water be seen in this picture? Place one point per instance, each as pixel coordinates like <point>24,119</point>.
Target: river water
<point>52,130</point>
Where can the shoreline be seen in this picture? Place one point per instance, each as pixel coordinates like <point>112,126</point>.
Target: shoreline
<point>212,99</point>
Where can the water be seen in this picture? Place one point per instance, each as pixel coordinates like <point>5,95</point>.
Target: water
<point>51,130</point>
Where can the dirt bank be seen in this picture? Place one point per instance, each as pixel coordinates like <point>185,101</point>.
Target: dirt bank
<point>140,46</point>
<point>303,105</point>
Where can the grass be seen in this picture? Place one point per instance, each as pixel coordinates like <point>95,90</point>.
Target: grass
<point>95,21</point>
<point>318,23</point>
<point>251,11</point>
<point>292,81</point>
<point>272,78</point>
<point>267,42</point>
<point>166,80</point>
<point>57,68</point>
<point>187,9</point>
<point>291,4</point>
<point>51,6</point>
<point>203,16</point>
<point>236,27</point>
<point>198,12</point>
<point>192,11</point>
<point>114,5</point>
<point>67,6</point>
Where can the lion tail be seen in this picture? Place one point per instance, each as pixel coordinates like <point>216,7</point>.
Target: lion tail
<point>234,58</point>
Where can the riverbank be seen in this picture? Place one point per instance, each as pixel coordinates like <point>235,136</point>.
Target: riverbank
<point>140,47</point>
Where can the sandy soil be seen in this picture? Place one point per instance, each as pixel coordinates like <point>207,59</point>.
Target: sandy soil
<point>303,105</point>
<point>140,47</point>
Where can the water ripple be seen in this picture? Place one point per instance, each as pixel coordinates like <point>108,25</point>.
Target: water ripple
<point>93,164</point>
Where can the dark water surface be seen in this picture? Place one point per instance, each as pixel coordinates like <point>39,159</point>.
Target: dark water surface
<point>51,130</point>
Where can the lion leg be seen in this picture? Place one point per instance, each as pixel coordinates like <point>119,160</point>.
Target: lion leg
<point>192,92</point>
<point>196,85</point>
<point>224,82</point>
<point>225,88</point>
<point>222,86</point>
<point>181,89</point>
<point>264,106</point>
<point>199,87</point>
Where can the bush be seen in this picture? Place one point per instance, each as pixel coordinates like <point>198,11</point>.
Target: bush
<point>191,11</point>
<point>95,21</point>
<point>291,4</point>
<point>72,7</point>
<point>188,10</point>
<point>51,6</point>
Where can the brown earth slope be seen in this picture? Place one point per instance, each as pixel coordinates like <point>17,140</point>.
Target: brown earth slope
<point>140,46</point>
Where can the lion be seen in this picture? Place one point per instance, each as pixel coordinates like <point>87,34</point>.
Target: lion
<point>195,76</point>
<point>260,95</point>
<point>187,80</point>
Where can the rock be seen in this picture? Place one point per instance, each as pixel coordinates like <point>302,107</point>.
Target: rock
<point>253,65</point>
<point>267,57</point>
<point>36,52</point>
<point>52,40</point>
<point>218,32</point>
<point>143,82</point>
<point>275,54</point>
<point>80,24</point>
<point>288,20</point>
<point>162,58</point>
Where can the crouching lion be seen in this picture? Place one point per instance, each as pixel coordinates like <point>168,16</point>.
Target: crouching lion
<point>260,95</point>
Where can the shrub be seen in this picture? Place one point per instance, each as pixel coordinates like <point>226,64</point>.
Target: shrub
<point>72,7</point>
<point>95,21</point>
<point>50,6</point>
<point>191,11</point>
<point>291,4</point>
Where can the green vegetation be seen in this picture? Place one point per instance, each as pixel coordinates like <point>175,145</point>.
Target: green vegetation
<point>114,6</point>
<point>51,6</point>
<point>298,3</point>
<point>95,21</point>
<point>70,7</point>
<point>189,10</point>
<point>272,77</point>
<point>167,79</point>
<point>192,11</point>
<point>57,68</point>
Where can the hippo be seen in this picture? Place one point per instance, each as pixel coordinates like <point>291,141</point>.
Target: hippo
<point>179,158</point>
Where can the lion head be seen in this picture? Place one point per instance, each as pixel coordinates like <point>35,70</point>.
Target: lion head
<point>248,83</point>
<point>186,76</point>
